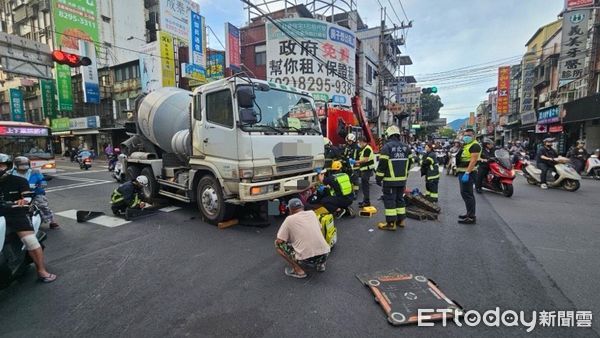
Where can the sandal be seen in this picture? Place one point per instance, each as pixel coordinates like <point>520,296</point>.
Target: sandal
<point>292,273</point>
<point>48,279</point>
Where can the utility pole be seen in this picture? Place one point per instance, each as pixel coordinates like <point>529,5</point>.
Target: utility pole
<point>383,46</point>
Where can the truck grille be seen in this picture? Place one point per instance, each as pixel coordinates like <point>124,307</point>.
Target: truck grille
<point>292,158</point>
<point>282,169</point>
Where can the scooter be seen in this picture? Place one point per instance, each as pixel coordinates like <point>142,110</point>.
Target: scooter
<point>14,258</point>
<point>118,174</point>
<point>568,178</point>
<point>113,159</point>
<point>84,158</point>
<point>592,167</point>
<point>501,175</point>
<point>520,158</point>
<point>451,167</point>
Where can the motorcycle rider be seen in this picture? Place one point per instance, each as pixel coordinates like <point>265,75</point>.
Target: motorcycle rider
<point>366,165</point>
<point>11,189</point>
<point>37,182</point>
<point>392,172</point>
<point>127,195</point>
<point>578,155</point>
<point>484,165</point>
<point>430,169</point>
<point>546,159</point>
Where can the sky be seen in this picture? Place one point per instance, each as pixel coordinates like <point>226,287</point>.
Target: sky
<point>446,35</point>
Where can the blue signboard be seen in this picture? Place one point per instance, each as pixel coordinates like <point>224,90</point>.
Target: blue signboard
<point>196,43</point>
<point>549,115</point>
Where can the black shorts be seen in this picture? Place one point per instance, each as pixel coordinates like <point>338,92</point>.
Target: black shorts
<point>18,223</point>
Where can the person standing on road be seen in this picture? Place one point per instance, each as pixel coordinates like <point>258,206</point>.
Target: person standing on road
<point>366,164</point>
<point>37,183</point>
<point>484,164</point>
<point>127,195</point>
<point>12,189</point>
<point>430,169</point>
<point>466,167</point>
<point>546,159</point>
<point>300,241</point>
<point>392,172</point>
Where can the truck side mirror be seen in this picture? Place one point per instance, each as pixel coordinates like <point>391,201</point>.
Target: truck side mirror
<point>245,96</point>
<point>248,116</point>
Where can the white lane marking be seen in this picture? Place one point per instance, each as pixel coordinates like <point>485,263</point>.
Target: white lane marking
<point>79,179</point>
<point>106,221</point>
<point>82,172</point>
<point>76,186</point>
<point>169,209</point>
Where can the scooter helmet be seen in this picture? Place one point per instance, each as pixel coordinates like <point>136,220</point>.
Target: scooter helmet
<point>21,163</point>
<point>336,165</point>
<point>143,180</point>
<point>350,137</point>
<point>489,141</point>
<point>582,142</point>
<point>6,159</point>
<point>549,139</point>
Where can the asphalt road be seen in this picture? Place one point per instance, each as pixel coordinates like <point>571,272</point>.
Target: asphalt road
<point>172,275</point>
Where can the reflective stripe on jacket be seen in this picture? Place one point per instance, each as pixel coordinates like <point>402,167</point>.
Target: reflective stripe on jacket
<point>369,160</point>
<point>465,156</point>
<point>344,184</point>
<point>394,162</point>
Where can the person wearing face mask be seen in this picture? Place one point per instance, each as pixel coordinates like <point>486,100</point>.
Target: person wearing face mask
<point>545,160</point>
<point>466,167</point>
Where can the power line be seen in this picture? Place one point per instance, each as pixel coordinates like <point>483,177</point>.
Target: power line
<point>216,37</point>
<point>403,11</point>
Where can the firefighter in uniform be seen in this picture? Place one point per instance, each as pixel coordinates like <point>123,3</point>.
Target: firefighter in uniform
<point>351,153</point>
<point>335,191</point>
<point>431,171</point>
<point>392,172</point>
<point>366,164</point>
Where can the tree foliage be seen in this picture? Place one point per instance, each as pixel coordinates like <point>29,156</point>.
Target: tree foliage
<point>430,107</point>
<point>447,132</point>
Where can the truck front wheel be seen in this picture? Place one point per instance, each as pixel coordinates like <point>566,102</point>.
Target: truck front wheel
<point>211,202</point>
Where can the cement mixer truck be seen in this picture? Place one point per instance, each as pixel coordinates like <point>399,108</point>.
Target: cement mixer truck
<point>228,143</point>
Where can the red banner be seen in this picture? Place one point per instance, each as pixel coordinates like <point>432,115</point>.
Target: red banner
<point>579,3</point>
<point>503,104</point>
<point>556,128</point>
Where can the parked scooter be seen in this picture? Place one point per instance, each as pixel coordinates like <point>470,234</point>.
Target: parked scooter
<point>118,174</point>
<point>84,158</point>
<point>564,175</point>
<point>592,166</point>
<point>14,258</point>
<point>501,175</point>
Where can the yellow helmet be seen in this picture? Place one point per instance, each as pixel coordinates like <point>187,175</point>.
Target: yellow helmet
<point>392,130</point>
<point>336,165</point>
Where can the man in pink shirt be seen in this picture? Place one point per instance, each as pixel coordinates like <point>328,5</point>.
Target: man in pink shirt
<point>300,241</point>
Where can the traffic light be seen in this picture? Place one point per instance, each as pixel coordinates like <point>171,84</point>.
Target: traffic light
<point>71,60</point>
<point>429,90</point>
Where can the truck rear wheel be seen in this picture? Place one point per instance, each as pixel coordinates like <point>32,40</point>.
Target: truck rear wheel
<point>132,172</point>
<point>151,190</point>
<point>211,202</point>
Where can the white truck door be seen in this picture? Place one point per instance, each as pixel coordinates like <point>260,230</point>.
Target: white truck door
<point>219,137</point>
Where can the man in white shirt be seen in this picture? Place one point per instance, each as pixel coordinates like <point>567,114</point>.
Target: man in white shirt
<point>300,241</point>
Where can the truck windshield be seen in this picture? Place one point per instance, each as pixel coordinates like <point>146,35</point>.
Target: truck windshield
<point>285,111</point>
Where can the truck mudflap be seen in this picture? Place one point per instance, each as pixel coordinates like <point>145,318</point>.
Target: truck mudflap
<point>269,190</point>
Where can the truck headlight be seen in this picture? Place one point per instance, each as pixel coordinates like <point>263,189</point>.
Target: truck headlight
<point>263,171</point>
<point>319,163</point>
<point>245,173</point>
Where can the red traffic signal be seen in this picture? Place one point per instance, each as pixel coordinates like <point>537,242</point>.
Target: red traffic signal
<point>71,60</point>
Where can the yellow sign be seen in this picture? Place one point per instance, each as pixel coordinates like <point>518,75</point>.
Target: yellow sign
<point>167,55</point>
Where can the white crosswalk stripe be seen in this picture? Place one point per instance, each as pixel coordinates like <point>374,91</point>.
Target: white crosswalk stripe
<point>107,221</point>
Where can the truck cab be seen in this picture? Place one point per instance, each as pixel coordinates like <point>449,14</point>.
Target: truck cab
<point>243,141</point>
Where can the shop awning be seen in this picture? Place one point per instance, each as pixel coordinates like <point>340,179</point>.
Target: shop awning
<point>587,108</point>
<point>61,133</point>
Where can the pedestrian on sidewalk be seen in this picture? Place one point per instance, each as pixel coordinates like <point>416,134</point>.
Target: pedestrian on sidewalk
<point>466,167</point>
<point>300,241</point>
